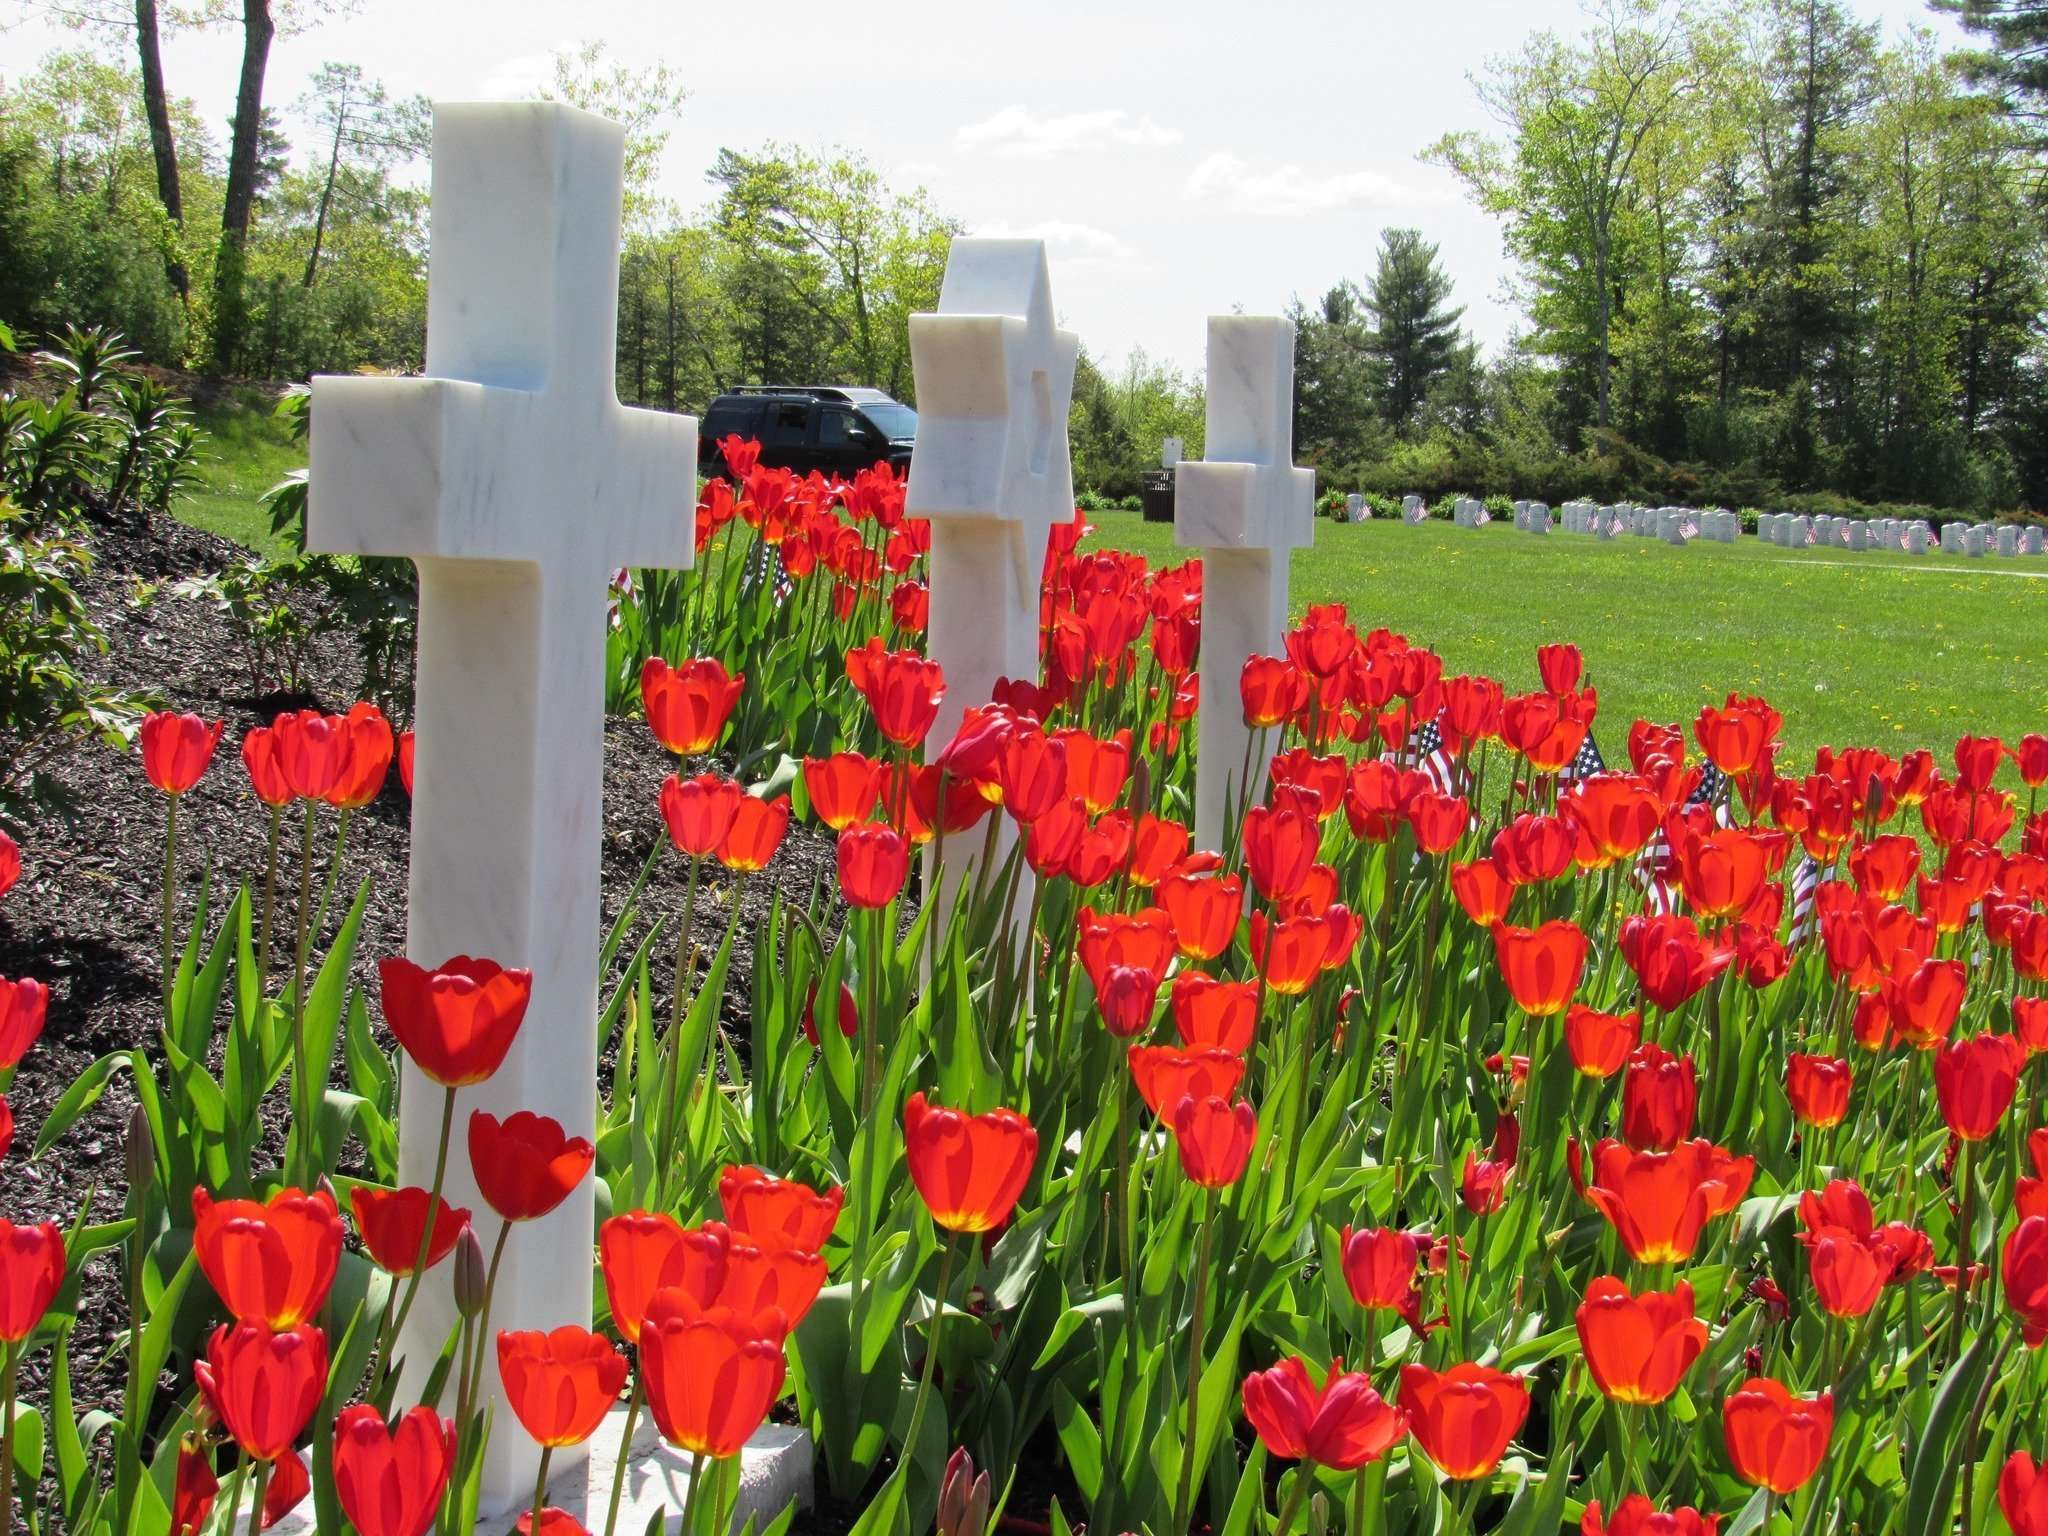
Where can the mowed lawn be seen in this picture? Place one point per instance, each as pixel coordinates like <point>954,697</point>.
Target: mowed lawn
<point>1882,650</point>
<point>247,451</point>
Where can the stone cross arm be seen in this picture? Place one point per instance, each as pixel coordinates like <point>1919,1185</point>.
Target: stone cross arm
<point>1247,494</point>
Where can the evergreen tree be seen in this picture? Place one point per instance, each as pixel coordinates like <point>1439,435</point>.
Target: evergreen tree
<point>1415,331</point>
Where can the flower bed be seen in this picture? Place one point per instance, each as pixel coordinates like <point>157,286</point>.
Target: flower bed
<point>1473,1141</point>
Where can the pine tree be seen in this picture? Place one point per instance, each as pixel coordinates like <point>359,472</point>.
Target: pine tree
<point>1415,333</point>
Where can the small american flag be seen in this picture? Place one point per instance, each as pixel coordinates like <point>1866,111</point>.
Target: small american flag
<point>1653,866</point>
<point>759,560</point>
<point>1806,882</point>
<point>1587,763</point>
<point>1425,750</point>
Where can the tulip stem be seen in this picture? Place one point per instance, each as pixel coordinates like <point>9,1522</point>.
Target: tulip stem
<point>611,1519</point>
<point>690,1497</point>
<point>269,903</point>
<point>255,1526</point>
<point>13,1369</point>
<point>1303,1475</point>
<point>170,895</point>
<point>931,1355</point>
<point>1966,1201</point>
<point>387,1338</point>
<point>1197,1325</point>
<point>540,1488</point>
<point>473,1386</point>
<point>301,1097</point>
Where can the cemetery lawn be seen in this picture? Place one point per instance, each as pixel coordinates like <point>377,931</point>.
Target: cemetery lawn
<point>1884,650</point>
<point>248,450</point>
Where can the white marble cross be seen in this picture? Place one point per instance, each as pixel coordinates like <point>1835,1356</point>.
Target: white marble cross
<point>1246,508</point>
<point>516,481</point>
<point>993,473</point>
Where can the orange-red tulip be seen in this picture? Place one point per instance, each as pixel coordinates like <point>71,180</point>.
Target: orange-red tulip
<point>1659,1202</point>
<point>458,1020</point>
<point>842,788</point>
<point>777,1213</point>
<point>2022,1484</point>
<point>269,1263</point>
<point>1775,1440</point>
<point>1342,1425</point>
<point>24,1008</point>
<point>1671,959</point>
<point>1885,866</point>
<point>1639,1347</point>
<point>1482,891</point>
<point>1280,845</point>
<point>687,706</point>
<point>1208,1013</point>
<point>1600,1043</point>
<point>1533,850</point>
<point>1271,690</point>
<point>1165,1076</point>
<point>1289,954</point>
<point>365,762</point>
<point>1818,1088</point>
<point>31,1274</point>
<point>2029,1023</point>
<point>1541,966</point>
<point>176,749</point>
<point>641,1253</point>
<point>756,832</point>
<point>711,1374</point>
<point>1559,666</point>
<point>1380,1265</point>
<point>263,1386</point>
<point>874,861</point>
<point>1849,1271</point>
<point>1204,910</point>
<point>1925,1001</point>
<point>526,1164</point>
<point>266,773</point>
<point>193,1492</point>
<point>390,1481</point>
<point>1616,814</point>
<point>902,688</point>
<point>312,750</point>
<point>1659,1095</point>
<point>2024,1269</point>
<point>969,1169</point>
<point>391,1221</point>
<point>1464,1418</point>
<point>560,1384</point>
<point>1215,1139</point>
<point>699,811</point>
<point>783,1278</point>
<point>1637,1516</point>
<point>1732,738</point>
<point>1975,1080</point>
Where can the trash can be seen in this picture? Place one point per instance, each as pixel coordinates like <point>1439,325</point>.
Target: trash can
<point>1156,495</point>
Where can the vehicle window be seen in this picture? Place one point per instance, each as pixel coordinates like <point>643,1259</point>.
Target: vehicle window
<point>837,428</point>
<point>893,421</point>
<point>739,418</point>
<point>788,423</point>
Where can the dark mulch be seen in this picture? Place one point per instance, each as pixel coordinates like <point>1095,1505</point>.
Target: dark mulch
<point>85,918</point>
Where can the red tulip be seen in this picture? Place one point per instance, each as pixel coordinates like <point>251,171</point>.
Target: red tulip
<point>2029,1023</point>
<point>390,1223</point>
<point>1600,1043</point>
<point>193,1492</point>
<point>1926,999</point>
<point>756,832</point>
<point>456,1021</point>
<point>1157,846</point>
<point>526,1164</point>
<point>1975,1080</point>
<point>1721,872</point>
<point>2025,1272</point>
<point>406,746</point>
<point>842,788</point>
<point>1541,965</point>
<point>1464,1418</point>
<point>176,749</point>
<point>969,1169</point>
<point>1342,1424</point>
<point>874,861</point>
<point>1482,891</point>
<point>1031,774</point>
<point>1559,666</point>
<point>2032,757</point>
<point>31,1273</point>
<point>1977,760</point>
<point>554,1521</point>
<point>1659,1202</point>
<point>24,1007</point>
<point>1639,1347</point>
<point>266,772</point>
<point>1534,850</point>
<point>560,1385</point>
<point>1289,954</point>
<point>1637,1516</point>
<point>1380,1266</point>
<point>1849,1272</point>
<point>1208,1013</point>
<point>910,606</point>
<point>687,706</point>
<point>1775,1440</point>
<point>1818,1088</point>
<point>902,688</point>
<point>1271,690</point>
<point>1885,866</point>
<point>1165,1076</point>
<point>312,750</point>
<point>1102,849</point>
<point>1671,960</point>
<point>390,1482</point>
<point>365,763</point>
<point>10,863</point>
<point>1204,910</point>
<point>711,1375</point>
<point>1616,815</point>
<point>1732,738</point>
<point>1484,1186</point>
<point>263,1386</point>
<point>778,1213</point>
<point>641,1254</point>
<point>269,1263</point>
<point>1658,1097</point>
<point>1280,845</point>
<point>699,811</point>
<point>1097,768</point>
<point>2022,1485</point>
<point>1215,1139</point>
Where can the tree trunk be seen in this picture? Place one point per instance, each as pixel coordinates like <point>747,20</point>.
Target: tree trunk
<point>239,201</point>
<point>161,146</point>
<point>1606,319</point>
<point>326,194</point>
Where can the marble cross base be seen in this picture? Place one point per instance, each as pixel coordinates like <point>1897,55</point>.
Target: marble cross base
<point>775,1471</point>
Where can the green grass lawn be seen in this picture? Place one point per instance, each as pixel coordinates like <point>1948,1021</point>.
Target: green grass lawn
<point>248,451</point>
<point>1883,650</point>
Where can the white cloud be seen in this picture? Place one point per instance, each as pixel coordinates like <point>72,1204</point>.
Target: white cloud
<point>1022,134</point>
<point>1282,190</point>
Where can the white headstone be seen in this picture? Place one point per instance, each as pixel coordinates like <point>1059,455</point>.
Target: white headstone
<point>1952,538</point>
<point>2008,540</point>
<point>517,483</point>
<point>1859,536</point>
<point>2032,540</point>
<point>993,473</point>
<point>1354,508</point>
<point>1413,510</point>
<point>1917,535</point>
<point>1246,508</point>
<point>1974,542</point>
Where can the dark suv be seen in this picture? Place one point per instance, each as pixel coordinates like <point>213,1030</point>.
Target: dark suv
<point>804,427</point>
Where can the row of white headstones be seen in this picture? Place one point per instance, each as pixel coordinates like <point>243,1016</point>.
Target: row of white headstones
<point>514,479</point>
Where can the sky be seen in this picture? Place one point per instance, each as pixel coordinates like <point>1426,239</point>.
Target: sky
<point>1179,160</point>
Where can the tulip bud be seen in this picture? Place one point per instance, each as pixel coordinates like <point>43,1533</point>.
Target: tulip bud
<point>140,1148</point>
<point>469,1273</point>
<point>963,1497</point>
<point>1318,1510</point>
<point>326,1187</point>
<point>1141,787</point>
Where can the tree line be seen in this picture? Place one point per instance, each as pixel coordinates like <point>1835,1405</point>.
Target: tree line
<point>1762,253</point>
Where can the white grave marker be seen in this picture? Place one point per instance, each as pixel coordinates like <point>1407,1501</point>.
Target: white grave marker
<point>517,483</point>
<point>1246,508</point>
